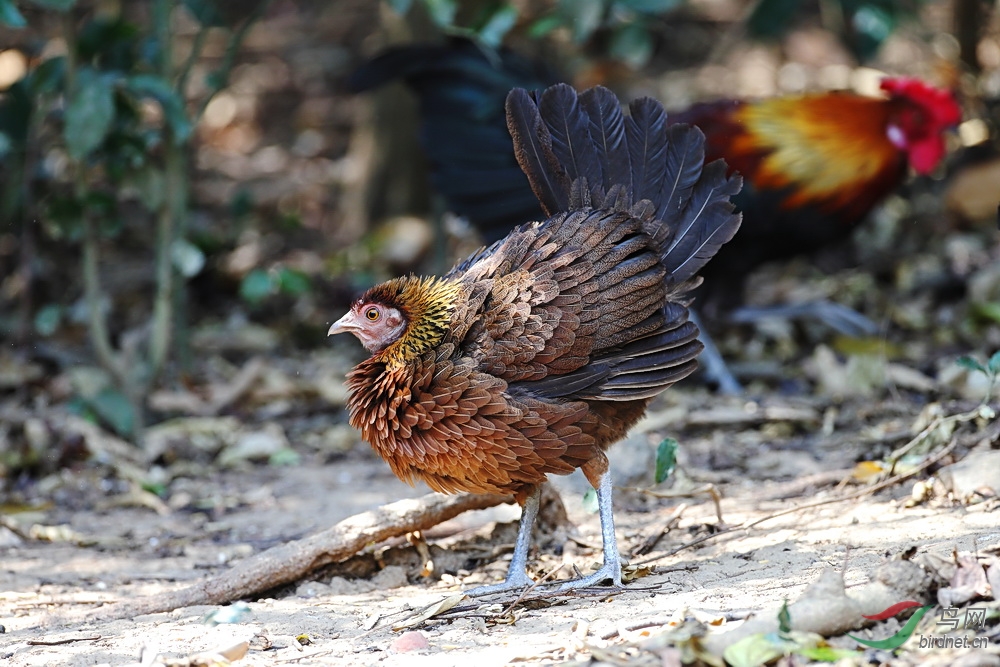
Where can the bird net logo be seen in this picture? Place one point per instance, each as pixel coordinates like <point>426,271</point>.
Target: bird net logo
<point>948,621</point>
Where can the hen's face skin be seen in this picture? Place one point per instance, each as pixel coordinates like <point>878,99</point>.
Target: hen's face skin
<point>376,325</point>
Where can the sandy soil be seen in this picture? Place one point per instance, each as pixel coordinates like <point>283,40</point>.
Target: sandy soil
<point>132,551</point>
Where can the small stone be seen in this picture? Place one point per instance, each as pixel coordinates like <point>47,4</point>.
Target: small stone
<point>409,641</point>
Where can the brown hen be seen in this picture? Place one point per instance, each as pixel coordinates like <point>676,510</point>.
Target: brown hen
<point>534,355</point>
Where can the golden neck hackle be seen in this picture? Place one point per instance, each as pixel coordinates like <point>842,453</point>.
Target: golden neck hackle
<point>427,304</point>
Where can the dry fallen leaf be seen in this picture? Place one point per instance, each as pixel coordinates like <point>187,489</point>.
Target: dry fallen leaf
<point>430,612</point>
<point>968,582</point>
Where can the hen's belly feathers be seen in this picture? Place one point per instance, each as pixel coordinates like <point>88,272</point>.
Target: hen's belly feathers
<point>459,429</point>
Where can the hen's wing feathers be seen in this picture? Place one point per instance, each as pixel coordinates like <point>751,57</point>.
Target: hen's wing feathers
<point>641,369</point>
<point>533,149</point>
<point>704,225</point>
<point>569,126</point>
<point>590,303</point>
<point>645,131</point>
<point>607,131</point>
<point>685,158</point>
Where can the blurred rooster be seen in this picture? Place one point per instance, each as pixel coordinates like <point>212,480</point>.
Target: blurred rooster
<point>815,165</point>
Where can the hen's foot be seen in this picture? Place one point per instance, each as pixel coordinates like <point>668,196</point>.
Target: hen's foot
<point>609,572</point>
<point>513,582</point>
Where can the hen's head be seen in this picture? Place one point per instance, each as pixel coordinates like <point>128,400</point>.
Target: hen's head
<point>921,115</point>
<point>409,315</point>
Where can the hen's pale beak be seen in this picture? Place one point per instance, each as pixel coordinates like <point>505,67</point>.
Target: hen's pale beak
<point>346,324</point>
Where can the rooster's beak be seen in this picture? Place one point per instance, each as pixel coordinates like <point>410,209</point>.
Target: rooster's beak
<point>346,324</point>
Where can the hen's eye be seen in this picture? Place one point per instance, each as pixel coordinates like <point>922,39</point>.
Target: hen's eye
<point>372,314</point>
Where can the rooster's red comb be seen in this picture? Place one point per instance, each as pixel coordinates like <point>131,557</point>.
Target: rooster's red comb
<point>938,102</point>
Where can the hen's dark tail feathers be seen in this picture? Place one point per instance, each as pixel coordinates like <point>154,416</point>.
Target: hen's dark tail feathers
<point>580,150</point>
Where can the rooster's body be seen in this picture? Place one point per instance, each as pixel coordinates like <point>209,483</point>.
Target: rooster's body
<point>816,165</point>
<point>534,355</point>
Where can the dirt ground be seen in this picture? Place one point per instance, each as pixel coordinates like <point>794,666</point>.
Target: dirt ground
<point>776,459</point>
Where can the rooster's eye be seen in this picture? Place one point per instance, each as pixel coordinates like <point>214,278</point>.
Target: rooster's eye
<point>372,314</point>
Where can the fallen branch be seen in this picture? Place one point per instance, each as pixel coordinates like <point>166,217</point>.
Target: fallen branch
<point>290,562</point>
<point>828,609</point>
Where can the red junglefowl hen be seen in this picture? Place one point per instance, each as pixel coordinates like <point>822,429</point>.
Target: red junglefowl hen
<point>535,354</point>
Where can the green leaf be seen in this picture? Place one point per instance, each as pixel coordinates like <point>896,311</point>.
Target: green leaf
<point>48,77</point>
<point>16,108</point>
<point>256,286</point>
<point>971,364</point>
<point>666,459</point>
<point>784,619</point>
<point>544,26</point>
<point>47,319</point>
<point>110,40</point>
<point>442,12</point>
<point>400,6</point>
<point>205,12</point>
<point>498,25</point>
<point>148,85</point>
<point>826,653</point>
<point>293,282</point>
<point>115,410</point>
<point>632,44</point>
<point>770,19</point>
<point>752,651</point>
<point>582,16</point>
<point>987,310</point>
<point>156,488</point>
<point>9,15</point>
<point>286,456</point>
<point>649,6</point>
<point>187,258</point>
<point>58,5</point>
<point>89,114</point>
<point>590,505</point>
<point>898,639</point>
<point>994,363</point>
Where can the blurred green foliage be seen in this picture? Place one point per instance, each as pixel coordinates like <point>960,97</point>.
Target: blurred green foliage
<point>109,124</point>
<point>862,25</point>
<point>628,27</point>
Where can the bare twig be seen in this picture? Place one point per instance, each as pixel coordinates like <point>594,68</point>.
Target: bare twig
<point>196,47</point>
<point>705,489</point>
<point>982,410</point>
<point>289,562</point>
<point>59,642</point>
<point>221,75</point>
